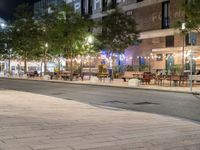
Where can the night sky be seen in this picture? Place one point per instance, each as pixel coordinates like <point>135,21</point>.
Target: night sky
<point>7,7</point>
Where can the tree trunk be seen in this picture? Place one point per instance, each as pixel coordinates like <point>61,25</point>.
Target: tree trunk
<point>71,66</point>
<point>25,63</point>
<point>9,63</point>
<point>67,63</point>
<point>81,67</point>
<point>112,73</point>
<point>59,67</point>
<point>41,68</point>
<point>90,70</point>
<point>45,62</point>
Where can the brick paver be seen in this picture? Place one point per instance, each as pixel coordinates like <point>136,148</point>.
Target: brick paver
<point>36,122</point>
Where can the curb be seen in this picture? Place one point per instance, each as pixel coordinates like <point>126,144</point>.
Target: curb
<point>101,85</point>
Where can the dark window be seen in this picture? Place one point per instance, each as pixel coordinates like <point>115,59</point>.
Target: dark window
<point>159,57</point>
<point>139,1</point>
<point>165,15</point>
<point>83,8</point>
<point>191,38</point>
<point>169,41</point>
<point>104,5</point>
<point>90,7</point>
<point>113,4</point>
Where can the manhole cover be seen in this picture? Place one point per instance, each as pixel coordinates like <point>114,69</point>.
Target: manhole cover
<point>56,93</point>
<point>68,98</point>
<point>146,103</point>
<point>197,95</point>
<point>115,102</point>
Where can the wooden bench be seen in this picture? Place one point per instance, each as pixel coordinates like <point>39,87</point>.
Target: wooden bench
<point>89,72</point>
<point>32,74</point>
<point>102,76</point>
<point>67,75</point>
<point>132,74</point>
<point>194,77</point>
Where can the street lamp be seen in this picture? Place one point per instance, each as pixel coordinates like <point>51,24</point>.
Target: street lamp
<point>89,39</point>
<point>46,45</point>
<point>183,28</point>
<point>191,59</point>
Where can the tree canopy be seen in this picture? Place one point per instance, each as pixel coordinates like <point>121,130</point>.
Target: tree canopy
<point>24,33</point>
<point>118,31</point>
<point>191,8</point>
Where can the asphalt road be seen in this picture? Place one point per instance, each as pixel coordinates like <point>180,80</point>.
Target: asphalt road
<point>167,103</point>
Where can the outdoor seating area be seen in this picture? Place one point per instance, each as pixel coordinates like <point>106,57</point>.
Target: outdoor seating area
<point>102,74</point>
<point>88,72</point>
<point>32,74</point>
<point>160,80</point>
<point>132,74</point>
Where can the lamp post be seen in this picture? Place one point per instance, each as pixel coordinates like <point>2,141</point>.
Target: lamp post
<point>191,59</point>
<point>183,28</point>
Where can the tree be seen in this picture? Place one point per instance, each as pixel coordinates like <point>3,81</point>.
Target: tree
<point>90,46</point>
<point>24,33</point>
<point>4,36</point>
<point>71,27</point>
<point>50,44</point>
<point>191,9</point>
<point>118,32</point>
<point>191,21</point>
<point>6,45</point>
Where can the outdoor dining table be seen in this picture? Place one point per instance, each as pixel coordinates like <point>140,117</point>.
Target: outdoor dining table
<point>138,75</point>
<point>177,79</point>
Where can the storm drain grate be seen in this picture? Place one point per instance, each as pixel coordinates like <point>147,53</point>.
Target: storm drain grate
<point>146,103</point>
<point>115,102</point>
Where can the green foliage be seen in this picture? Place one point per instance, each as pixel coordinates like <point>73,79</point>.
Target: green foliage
<point>176,69</point>
<point>48,34</point>
<point>143,68</point>
<point>72,29</point>
<point>118,31</point>
<point>4,46</point>
<point>24,33</point>
<point>191,8</point>
<point>83,47</point>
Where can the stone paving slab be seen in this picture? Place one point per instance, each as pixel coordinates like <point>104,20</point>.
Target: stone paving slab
<point>36,122</point>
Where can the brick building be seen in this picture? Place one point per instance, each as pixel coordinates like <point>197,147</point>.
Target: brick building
<point>160,46</point>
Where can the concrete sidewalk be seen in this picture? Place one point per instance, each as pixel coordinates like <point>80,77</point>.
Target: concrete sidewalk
<point>119,83</point>
<point>35,122</point>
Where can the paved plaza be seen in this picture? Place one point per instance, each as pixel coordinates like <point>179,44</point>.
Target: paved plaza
<point>36,122</point>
